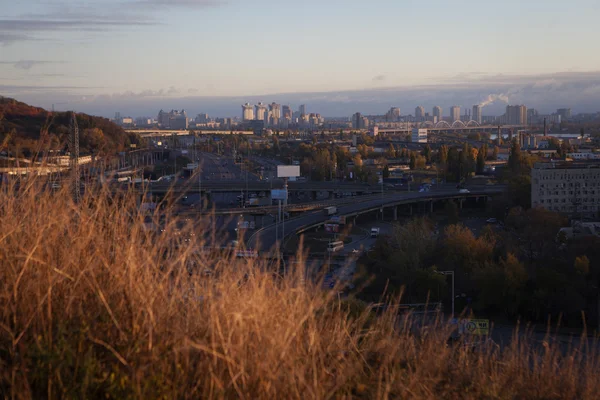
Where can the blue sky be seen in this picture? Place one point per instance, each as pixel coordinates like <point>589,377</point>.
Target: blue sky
<point>87,50</point>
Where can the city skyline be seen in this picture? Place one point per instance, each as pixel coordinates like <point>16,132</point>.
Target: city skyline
<point>89,55</point>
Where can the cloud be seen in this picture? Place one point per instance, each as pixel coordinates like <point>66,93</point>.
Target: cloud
<point>379,78</point>
<point>10,38</point>
<point>182,3</point>
<point>25,64</point>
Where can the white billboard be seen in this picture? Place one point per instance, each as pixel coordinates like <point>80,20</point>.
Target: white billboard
<point>288,171</point>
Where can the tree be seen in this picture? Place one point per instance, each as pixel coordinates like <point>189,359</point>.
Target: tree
<point>582,265</point>
<point>427,153</point>
<point>480,162</point>
<point>386,171</point>
<point>495,153</point>
<point>391,152</point>
<point>413,161</point>
<point>514,159</point>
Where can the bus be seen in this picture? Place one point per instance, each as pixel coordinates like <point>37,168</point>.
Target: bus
<point>335,246</point>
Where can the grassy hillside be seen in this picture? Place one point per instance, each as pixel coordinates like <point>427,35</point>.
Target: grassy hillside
<point>21,126</point>
<point>95,306</point>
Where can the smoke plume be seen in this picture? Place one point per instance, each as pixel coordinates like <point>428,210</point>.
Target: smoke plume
<point>492,98</point>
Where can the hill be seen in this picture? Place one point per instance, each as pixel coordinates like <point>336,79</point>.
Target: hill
<point>21,127</point>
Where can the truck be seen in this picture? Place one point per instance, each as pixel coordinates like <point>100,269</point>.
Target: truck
<point>330,210</point>
<point>374,232</point>
<point>257,202</point>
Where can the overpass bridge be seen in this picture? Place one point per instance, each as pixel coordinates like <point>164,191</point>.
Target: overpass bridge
<point>157,133</point>
<point>264,239</point>
<point>445,127</point>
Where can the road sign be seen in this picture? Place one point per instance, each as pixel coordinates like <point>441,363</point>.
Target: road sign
<point>279,194</point>
<point>338,219</point>
<point>477,327</point>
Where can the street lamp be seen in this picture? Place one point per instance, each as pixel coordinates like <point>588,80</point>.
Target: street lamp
<point>452,274</point>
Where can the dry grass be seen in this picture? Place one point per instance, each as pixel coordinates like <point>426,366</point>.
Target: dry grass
<point>94,306</point>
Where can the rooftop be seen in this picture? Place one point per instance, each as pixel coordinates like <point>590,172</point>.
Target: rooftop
<point>561,164</point>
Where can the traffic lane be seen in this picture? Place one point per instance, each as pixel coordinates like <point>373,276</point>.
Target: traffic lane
<point>267,235</point>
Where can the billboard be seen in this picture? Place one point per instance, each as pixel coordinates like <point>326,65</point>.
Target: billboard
<point>338,219</point>
<point>278,194</point>
<point>332,228</point>
<point>288,171</point>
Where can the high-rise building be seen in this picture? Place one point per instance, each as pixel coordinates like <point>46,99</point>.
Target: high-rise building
<point>173,120</point>
<point>359,122</point>
<point>302,109</point>
<point>516,115</point>
<point>437,113</point>
<point>247,112</point>
<point>455,113</point>
<point>202,118</point>
<point>419,113</point>
<point>393,114</point>
<point>261,112</point>
<point>275,110</point>
<point>565,113</point>
<point>476,114</point>
<point>287,112</point>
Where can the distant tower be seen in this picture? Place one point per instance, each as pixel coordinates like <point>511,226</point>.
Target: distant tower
<point>455,113</point>
<point>437,112</point>
<point>247,112</point>
<point>261,110</point>
<point>74,157</point>
<point>476,113</point>
<point>419,113</point>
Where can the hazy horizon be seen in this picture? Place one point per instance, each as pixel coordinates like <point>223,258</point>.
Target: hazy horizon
<point>338,57</point>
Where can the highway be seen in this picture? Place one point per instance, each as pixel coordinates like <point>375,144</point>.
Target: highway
<point>264,239</point>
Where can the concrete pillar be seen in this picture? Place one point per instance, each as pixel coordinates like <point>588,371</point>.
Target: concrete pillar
<point>410,210</point>
<point>460,202</point>
<point>431,206</point>
<point>395,213</point>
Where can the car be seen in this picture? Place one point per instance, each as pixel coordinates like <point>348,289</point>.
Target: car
<point>491,220</point>
<point>464,191</point>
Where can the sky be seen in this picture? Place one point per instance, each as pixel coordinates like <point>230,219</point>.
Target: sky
<point>338,56</point>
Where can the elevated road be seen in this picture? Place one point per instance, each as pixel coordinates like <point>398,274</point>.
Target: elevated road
<point>219,185</point>
<point>264,239</point>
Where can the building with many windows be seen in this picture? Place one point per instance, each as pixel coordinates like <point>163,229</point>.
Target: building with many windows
<point>567,187</point>
<point>455,113</point>
<point>516,115</point>
<point>420,114</point>
<point>247,112</point>
<point>419,135</point>
<point>437,114</point>
<point>476,113</point>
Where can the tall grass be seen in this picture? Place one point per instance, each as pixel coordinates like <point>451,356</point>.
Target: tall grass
<point>92,305</point>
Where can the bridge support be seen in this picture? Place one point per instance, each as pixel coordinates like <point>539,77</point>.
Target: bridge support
<point>410,210</point>
<point>431,207</point>
<point>460,204</point>
<point>395,213</point>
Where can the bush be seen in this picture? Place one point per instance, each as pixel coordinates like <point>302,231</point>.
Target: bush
<point>94,305</point>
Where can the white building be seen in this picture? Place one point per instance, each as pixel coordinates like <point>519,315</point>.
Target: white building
<point>247,112</point>
<point>419,135</point>
<point>455,113</point>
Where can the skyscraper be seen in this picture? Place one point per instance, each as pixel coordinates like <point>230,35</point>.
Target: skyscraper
<point>303,109</point>
<point>437,112</point>
<point>455,113</point>
<point>393,114</point>
<point>275,110</point>
<point>287,112</point>
<point>565,113</point>
<point>419,113</point>
<point>476,113</point>
<point>516,115</point>
<point>261,110</point>
<point>247,112</point>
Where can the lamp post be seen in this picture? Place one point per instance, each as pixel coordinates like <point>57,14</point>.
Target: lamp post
<point>452,274</point>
